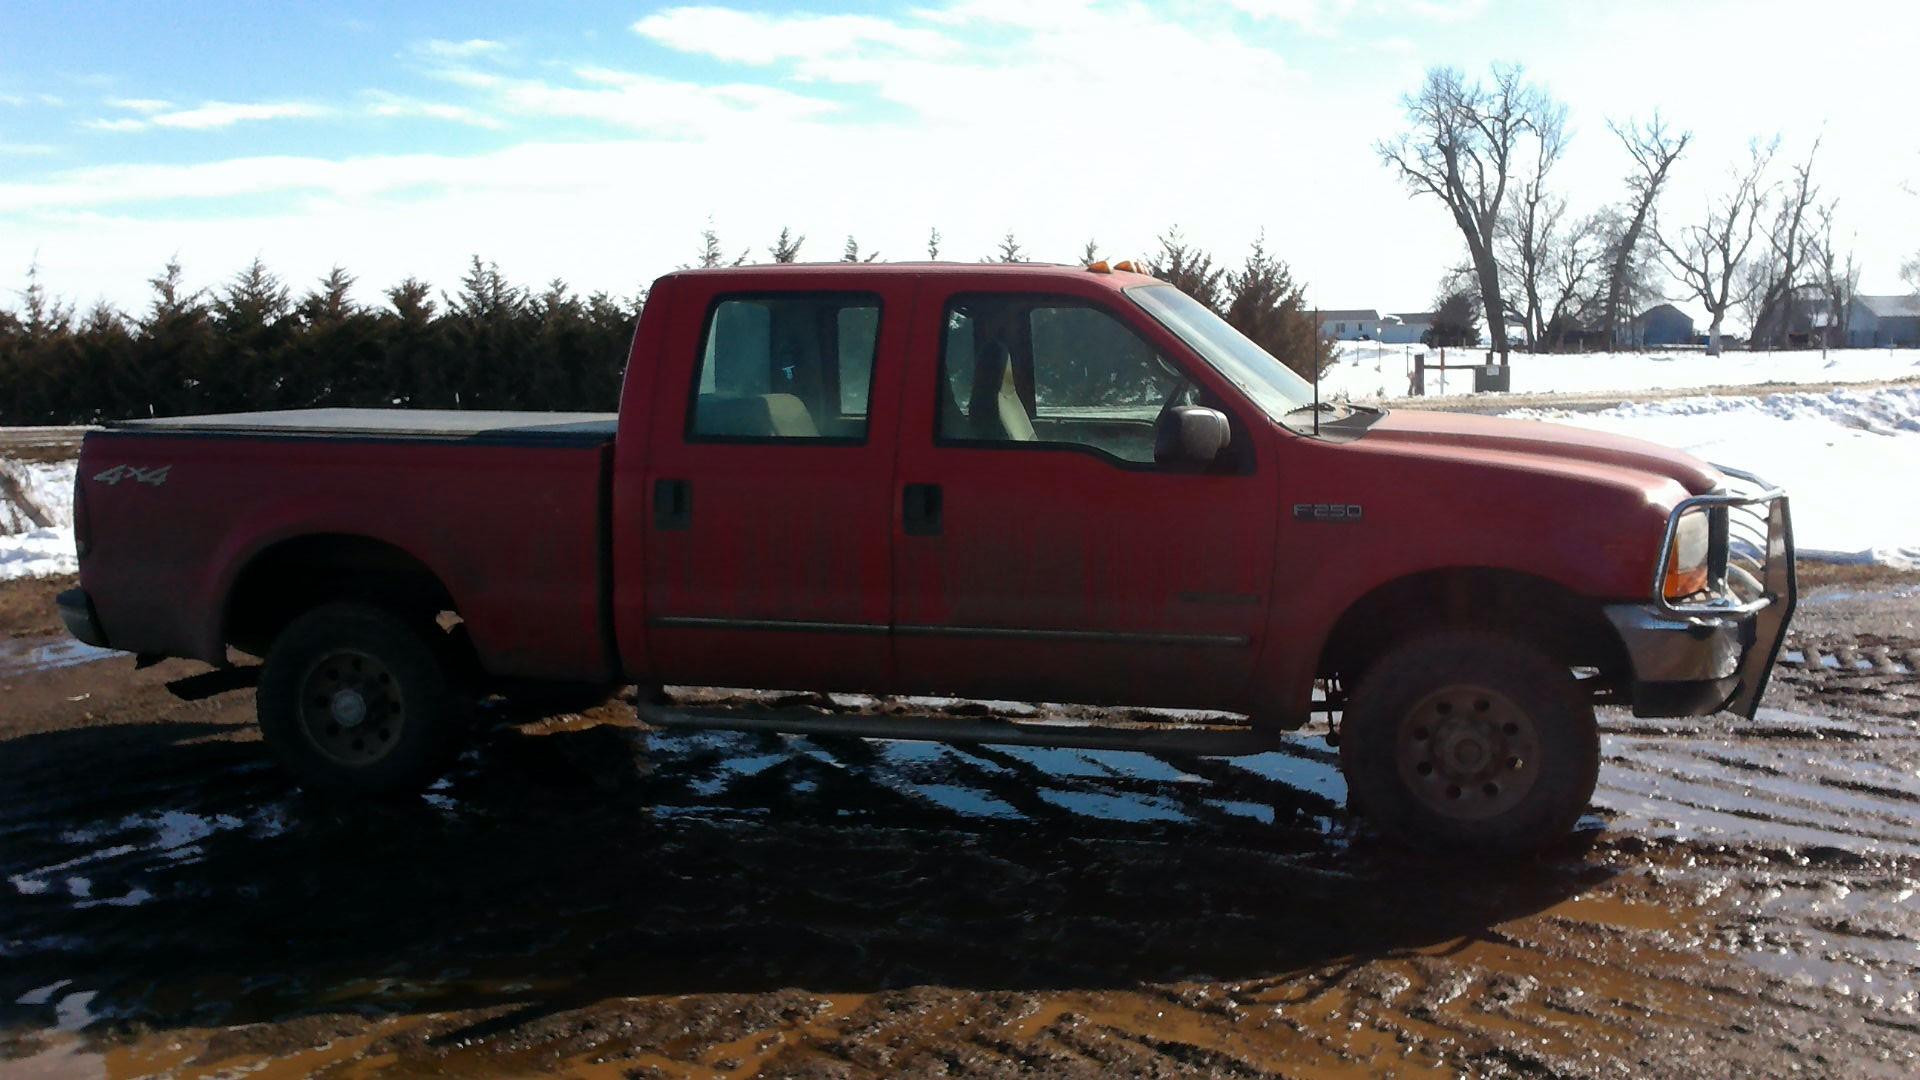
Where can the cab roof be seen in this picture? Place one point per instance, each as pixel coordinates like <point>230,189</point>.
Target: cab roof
<point>1024,271</point>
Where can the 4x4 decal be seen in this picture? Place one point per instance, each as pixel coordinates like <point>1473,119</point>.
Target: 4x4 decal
<point>156,475</point>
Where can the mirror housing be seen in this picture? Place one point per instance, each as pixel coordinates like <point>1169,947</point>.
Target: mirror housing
<point>1190,434</point>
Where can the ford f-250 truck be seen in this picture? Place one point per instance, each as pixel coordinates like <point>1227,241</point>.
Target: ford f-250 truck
<point>1008,482</point>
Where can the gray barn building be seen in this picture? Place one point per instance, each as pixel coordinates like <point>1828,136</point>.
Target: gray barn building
<point>1662,325</point>
<point>1884,321</point>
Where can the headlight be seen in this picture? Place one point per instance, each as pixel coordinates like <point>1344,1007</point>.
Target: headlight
<point>1687,560</point>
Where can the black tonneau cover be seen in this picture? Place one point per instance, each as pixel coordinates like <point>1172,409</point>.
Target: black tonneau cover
<point>447,425</point>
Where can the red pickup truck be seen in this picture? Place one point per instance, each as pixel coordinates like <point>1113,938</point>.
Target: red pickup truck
<point>1012,482</point>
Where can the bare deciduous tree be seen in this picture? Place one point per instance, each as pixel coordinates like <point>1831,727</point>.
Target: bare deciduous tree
<point>1654,149</point>
<point>1707,258</point>
<point>1530,228</point>
<point>1010,250</point>
<point>851,252</point>
<point>1462,146</point>
<point>1572,288</point>
<point>1777,276</point>
<point>1837,275</point>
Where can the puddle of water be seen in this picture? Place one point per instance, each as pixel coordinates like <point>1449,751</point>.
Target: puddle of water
<point>24,656</point>
<point>1295,771</point>
<point>1117,807</point>
<point>965,800</point>
<point>42,995</point>
<point>1261,812</point>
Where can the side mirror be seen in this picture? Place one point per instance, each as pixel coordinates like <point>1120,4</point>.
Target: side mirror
<point>1191,434</point>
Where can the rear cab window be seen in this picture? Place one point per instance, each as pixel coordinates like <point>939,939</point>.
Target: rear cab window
<point>786,366</point>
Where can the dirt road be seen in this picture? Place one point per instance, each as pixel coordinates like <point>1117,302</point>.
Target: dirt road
<point>583,895</point>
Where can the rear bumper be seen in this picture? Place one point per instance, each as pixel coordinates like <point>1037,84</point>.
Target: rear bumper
<point>76,611</point>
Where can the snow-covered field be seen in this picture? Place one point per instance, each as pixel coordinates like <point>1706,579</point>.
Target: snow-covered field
<point>1367,370</point>
<point>1847,458</point>
<point>28,550</point>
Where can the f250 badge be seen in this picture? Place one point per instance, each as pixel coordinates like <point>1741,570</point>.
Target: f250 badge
<point>1326,511</point>
<point>155,476</point>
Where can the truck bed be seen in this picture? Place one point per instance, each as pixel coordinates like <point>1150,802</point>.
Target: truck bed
<point>454,425</point>
<point>507,511</point>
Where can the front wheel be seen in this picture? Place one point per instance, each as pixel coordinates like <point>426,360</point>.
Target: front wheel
<point>1469,740</point>
<point>352,699</point>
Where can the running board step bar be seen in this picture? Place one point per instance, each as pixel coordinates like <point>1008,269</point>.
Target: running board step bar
<point>1194,741</point>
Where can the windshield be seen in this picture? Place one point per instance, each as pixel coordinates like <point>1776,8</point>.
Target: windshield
<point>1271,384</point>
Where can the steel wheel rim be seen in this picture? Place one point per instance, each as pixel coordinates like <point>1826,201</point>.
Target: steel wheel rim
<point>1468,752</point>
<point>351,707</point>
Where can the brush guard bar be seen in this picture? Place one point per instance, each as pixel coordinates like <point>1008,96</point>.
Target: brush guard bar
<point>1750,573</point>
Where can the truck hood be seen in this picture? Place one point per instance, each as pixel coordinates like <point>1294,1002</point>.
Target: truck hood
<point>1445,434</point>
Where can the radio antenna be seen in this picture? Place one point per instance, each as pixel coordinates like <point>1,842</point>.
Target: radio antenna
<point>1313,357</point>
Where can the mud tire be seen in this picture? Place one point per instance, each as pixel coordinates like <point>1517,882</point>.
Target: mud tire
<point>410,696</point>
<point>1552,720</point>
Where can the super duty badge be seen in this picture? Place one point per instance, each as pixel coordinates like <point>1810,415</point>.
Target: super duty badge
<point>1326,511</point>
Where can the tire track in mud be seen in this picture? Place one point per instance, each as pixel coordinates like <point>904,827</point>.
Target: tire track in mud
<point>583,894</point>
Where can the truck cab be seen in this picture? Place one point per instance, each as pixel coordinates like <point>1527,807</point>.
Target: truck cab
<point>1021,482</point>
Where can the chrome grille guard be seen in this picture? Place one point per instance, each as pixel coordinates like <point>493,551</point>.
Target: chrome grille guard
<point>1749,572</point>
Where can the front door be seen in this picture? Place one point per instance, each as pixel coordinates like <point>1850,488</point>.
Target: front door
<point>1042,552</point>
<point>771,486</point>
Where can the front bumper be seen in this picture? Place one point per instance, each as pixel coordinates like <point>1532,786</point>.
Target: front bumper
<point>76,611</point>
<point>1698,656</point>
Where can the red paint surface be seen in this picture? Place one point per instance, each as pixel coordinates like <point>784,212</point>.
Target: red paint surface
<point>1032,539</point>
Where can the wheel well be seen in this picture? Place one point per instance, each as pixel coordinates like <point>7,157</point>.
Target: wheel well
<point>1571,628</point>
<point>297,575</point>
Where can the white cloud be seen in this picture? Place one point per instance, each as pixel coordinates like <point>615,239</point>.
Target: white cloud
<point>462,50</point>
<point>755,38</point>
<point>1316,15</point>
<point>146,106</point>
<point>642,103</point>
<point>14,149</point>
<point>393,106</point>
<point>208,116</point>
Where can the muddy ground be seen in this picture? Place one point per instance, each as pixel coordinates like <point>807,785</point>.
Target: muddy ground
<point>583,895</point>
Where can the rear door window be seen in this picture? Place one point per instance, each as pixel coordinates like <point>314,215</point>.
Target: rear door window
<point>786,366</point>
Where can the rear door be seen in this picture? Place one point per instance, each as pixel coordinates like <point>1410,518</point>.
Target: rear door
<point>1042,551</point>
<point>771,484</point>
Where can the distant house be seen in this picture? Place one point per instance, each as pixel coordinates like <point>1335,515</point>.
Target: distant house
<point>1405,327</point>
<point>1660,326</point>
<point>1355,325</point>
<point>1884,321</point>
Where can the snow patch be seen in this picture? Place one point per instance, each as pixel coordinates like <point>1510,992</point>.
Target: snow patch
<point>1366,369</point>
<point>36,519</point>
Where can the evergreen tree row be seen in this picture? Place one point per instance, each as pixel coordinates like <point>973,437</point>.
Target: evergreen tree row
<point>252,344</point>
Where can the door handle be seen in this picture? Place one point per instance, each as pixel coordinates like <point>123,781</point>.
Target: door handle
<point>672,505</point>
<point>920,509</point>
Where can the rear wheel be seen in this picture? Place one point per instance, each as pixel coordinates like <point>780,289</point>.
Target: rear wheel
<point>1470,741</point>
<point>353,699</point>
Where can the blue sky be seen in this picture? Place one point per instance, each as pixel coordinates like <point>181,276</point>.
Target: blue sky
<point>592,141</point>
